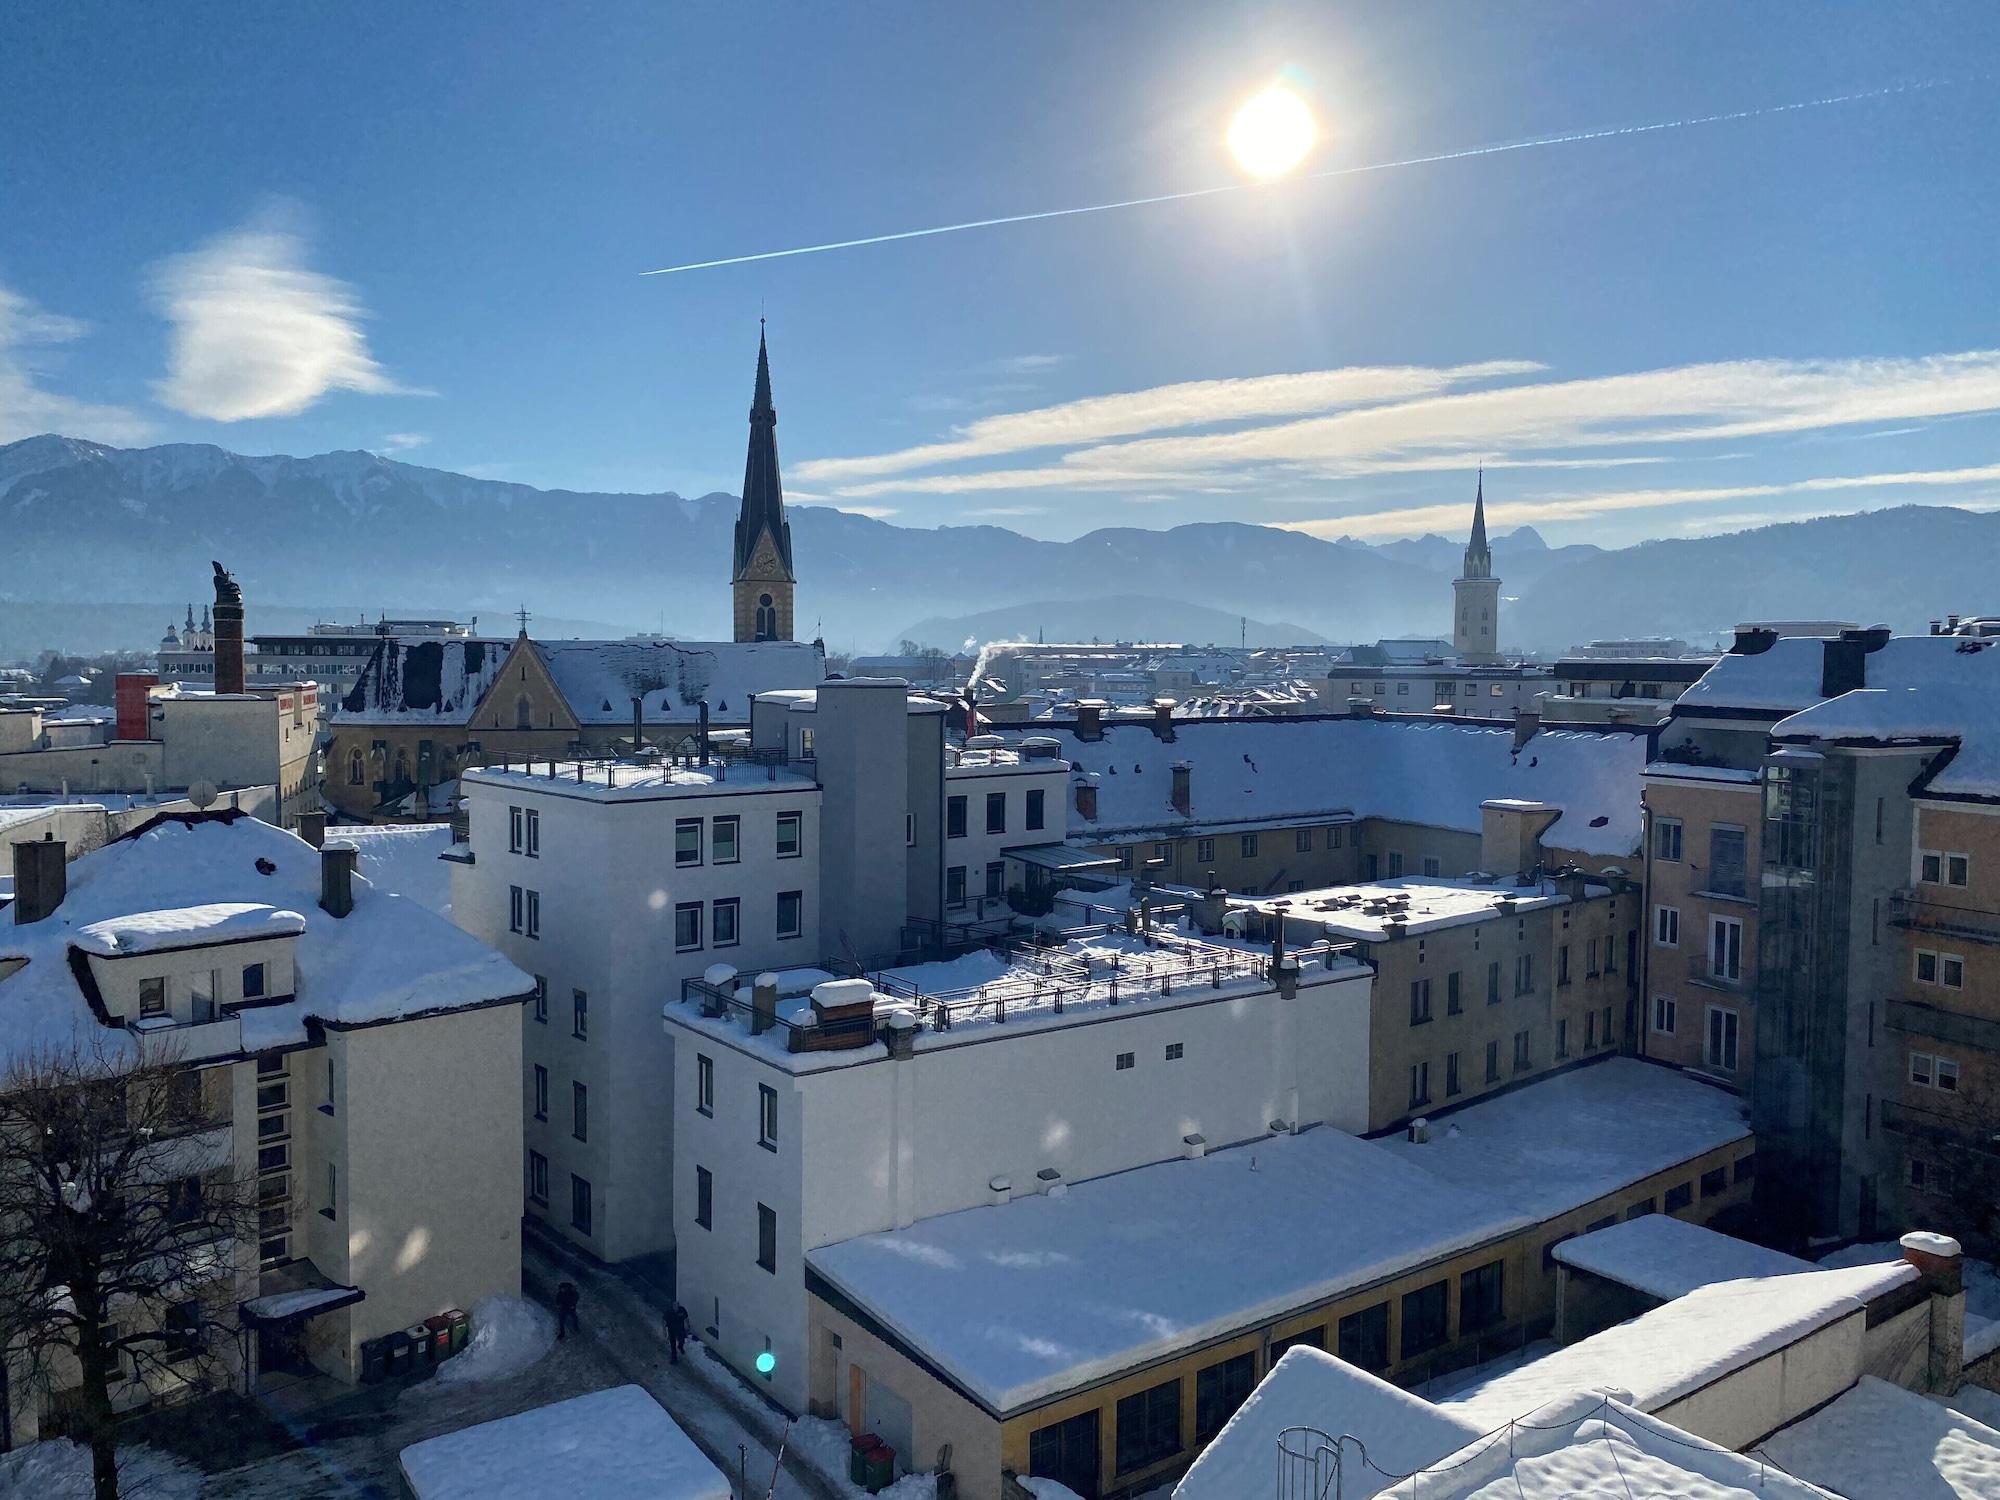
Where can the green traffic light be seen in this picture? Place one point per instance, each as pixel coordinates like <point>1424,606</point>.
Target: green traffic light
<point>766,1362</point>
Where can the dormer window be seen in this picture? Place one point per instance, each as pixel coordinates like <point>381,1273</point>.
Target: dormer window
<point>152,999</point>
<point>253,981</point>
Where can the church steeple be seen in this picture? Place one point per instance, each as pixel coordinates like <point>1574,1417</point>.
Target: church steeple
<point>1476,592</point>
<point>761,576</point>
<point>1478,556</point>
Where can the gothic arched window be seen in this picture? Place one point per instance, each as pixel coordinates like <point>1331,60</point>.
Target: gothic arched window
<point>356,774</point>
<point>524,713</point>
<point>767,618</point>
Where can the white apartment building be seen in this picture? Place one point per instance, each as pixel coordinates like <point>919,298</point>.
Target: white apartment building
<point>802,1119</point>
<point>351,1050</point>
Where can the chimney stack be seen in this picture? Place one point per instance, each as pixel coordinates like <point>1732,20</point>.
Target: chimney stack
<point>312,828</point>
<point>1086,797</point>
<point>41,878</point>
<point>1942,1264</point>
<point>763,1004</point>
<point>1090,718</point>
<point>1163,719</point>
<point>134,715</point>
<point>1182,795</point>
<point>1753,640</point>
<point>336,878</point>
<point>1360,708</point>
<point>1527,722</point>
<point>228,632</point>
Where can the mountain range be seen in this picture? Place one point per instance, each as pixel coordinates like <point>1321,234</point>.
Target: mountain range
<point>86,525</point>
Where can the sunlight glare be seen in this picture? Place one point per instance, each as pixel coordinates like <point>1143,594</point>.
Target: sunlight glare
<point>1272,133</point>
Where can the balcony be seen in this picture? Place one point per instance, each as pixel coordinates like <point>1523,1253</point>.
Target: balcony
<point>1704,970</point>
<point>1918,1019</point>
<point>190,1041</point>
<point>1941,1127</point>
<point>1915,910</point>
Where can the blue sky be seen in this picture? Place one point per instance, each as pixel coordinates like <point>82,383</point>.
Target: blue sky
<point>420,229</point>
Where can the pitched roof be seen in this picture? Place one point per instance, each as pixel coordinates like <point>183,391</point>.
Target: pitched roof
<point>670,678</point>
<point>423,681</point>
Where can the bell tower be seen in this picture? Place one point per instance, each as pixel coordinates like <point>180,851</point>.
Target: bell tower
<point>1475,630</point>
<point>761,579</point>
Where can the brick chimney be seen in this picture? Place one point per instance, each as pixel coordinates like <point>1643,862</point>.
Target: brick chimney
<point>134,714</point>
<point>228,633</point>
<point>1090,718</point>
<point>763,1004</point>
<point>1941,1262</point>
<point>41,878</point>
<point>336,878</point>
<point>1163,718</point>
<point>1086,797</point>
<point>1183,792</point>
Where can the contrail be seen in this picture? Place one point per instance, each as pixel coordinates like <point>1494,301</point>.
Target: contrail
<point>1533,142</point>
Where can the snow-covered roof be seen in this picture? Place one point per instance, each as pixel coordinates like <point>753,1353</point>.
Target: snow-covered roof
<point>609,1445</point>
<point>1781,680</point>
<point>387,959</point>
<point>1590,1447</point>
<point>1666,1257</point>
<point>404,858</point>
<point>1342,912</point>
<point>1307,1387</point>
<point>1881,1442</point>
<point>427,681</point>
<point>1021,1301</point>
<point>1684,1345</point>
<point>186,927</point>
<point>1284,770</point>
<point>1570,1139</point>
<point>618,781</point>
<point>670,678</point>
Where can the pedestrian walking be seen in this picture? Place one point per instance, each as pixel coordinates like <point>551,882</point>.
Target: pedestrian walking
<point>566,1297</point>
<point>677,1331</point>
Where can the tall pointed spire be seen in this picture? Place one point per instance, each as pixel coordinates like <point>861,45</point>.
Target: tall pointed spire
<point>761,570</point>
<point>1478,556</point>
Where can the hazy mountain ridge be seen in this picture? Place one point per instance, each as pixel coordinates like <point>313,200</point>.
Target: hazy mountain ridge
<point>84,524</point>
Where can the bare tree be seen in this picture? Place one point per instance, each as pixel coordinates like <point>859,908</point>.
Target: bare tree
<point>118,1240</point>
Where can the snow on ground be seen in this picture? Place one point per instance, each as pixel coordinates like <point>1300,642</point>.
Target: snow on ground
<point>824,1445</point>
<point>1982,1290</point>
<point>60,1470</point>
<point>508,1335</point>
<point>1048,1489</point>
<point>1881,1442</point>
<point>609,1445</point>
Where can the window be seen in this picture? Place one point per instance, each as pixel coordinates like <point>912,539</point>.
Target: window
<point>1926,967</point>
<point>996,812</point>
<point>1930,1071</point>
<point>1364,1338</point>
<point>954,817</point>
<point>1176,1051</point>
<point>687,926</point>
<point>355,774</point>
<point>1562,964</point>
<point>1929,1176</point>
<point>1746,1167</point>
<point>1124,1061</point>
<point>1663,1014</point>
<point>704,1084</point>
<point>687,841</point>
<point>538,1178</point>
<point>541,1092</point>
<point>1431,865</point>
<point>1420,1084</point>
<point>1249,845</point>
<point>704,1197</point>
<point>1935,867</point>
<point>1420,1001</point>
<point>1524,973</point>
<point>253,981</point>
<point>579,1111</point>
<point>1946,969</point>
<point>725,923</point>
<point>1163,852</point>
<point>790,838</point>
<point>1302,841</point>
<point>579,1204</point>
<point>1666,927</point>
<point>1562,1037</point>
<point>1125,858</point>
<point>791,913</point>
<point>1204,851</point>
<point>516,908</point>
<point>767,1117</point>
<point>516,824</point>
<point>1424,1319</point>
<point>1402,688</point>
<point>1667,839</point>
<point>1451,1085</point>
<point>1492,1062</point>
<point>1335,837</point>
<point>152,998</point>
<point>1640,1209</point>
<point>1493,982</point>
<point>1725,949</point>
<point>1714,1181</point>
<point>726,841</point>
<point>1726,873</point>
<point>1149,1427</point>
<point>954,885</point>
<point>1481,1298</point>
<point>767,1238</point>
<point>1034,816</point>
<point>1679,1197</point>
<point>1520,1051</point>
<point>996,877</point>
<point>1395,863</point>
<point>1452,1004</point>
<point>532,923</point>
<point>1219,1390</point>
<point>1309,1338</point>
<point>532,845</point>
<point>1957,869</point>
<point>332,1191</point>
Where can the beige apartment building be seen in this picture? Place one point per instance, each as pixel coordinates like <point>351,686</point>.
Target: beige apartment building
<point>357,1058</point>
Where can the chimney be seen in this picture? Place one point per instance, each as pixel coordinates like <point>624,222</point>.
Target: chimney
<point>1163,719</point>
<point>1753,640</point>
<point>1942,1264</point>
<point>1527,722</point>
<point>1002,1188</point>
<point>312,828</point>
<point>704,731</point>
<point>638,726</point>
<point>41,878</point>
<point>900,1032</point>
<point>1195,1146</point>
<point>336,877</point>
<point>763,1004</point>
<point>1090,718</point>
<point>1086,797</point>
<point>1360,708</point>
<point>228,633</point>
<point>1510,834</point>
<point>1420,1131</point>
<point>1182,795</point>
<point>134,719</point>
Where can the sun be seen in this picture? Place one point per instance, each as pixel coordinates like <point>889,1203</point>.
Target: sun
<point>1272,133</point>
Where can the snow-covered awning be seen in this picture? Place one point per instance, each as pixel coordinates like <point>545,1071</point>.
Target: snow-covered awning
<point>1061,859</point>
<point>302,1291</point>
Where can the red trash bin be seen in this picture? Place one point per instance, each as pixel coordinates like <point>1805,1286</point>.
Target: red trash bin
<point>439,1329</point>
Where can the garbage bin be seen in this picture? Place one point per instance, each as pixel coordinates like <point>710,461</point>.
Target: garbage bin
<point>858,1449</point>
<point>461,1328</point>
<point>881,1468</point>
<point>396,1353</point>
<point>437,1330</point>
<point>420,1347</point>
<point>374,1361</point>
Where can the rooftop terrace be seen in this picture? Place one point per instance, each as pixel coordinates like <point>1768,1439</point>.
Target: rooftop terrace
<point>639,780</point>
<point>1374,910</point>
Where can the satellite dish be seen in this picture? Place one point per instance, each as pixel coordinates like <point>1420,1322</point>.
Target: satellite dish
<point>201,793</point>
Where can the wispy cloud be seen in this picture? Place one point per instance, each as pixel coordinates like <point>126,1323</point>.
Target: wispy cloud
<point>1198,403</point>
<point>27,406</point>
<point>256,333</point>
<point>1577,507</point>
<point>1028,364</point>
<point>403,442</point>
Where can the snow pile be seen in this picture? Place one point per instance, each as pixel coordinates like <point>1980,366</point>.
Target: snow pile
<point>186,926</point>
<point>508,1335</point>
<point>1666,1257</point>
<point>60,1470</point>
<point>822,1446</point>
<point>1881,1442</point>
<point>1048,1489</point>
<point>611,1445</point>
